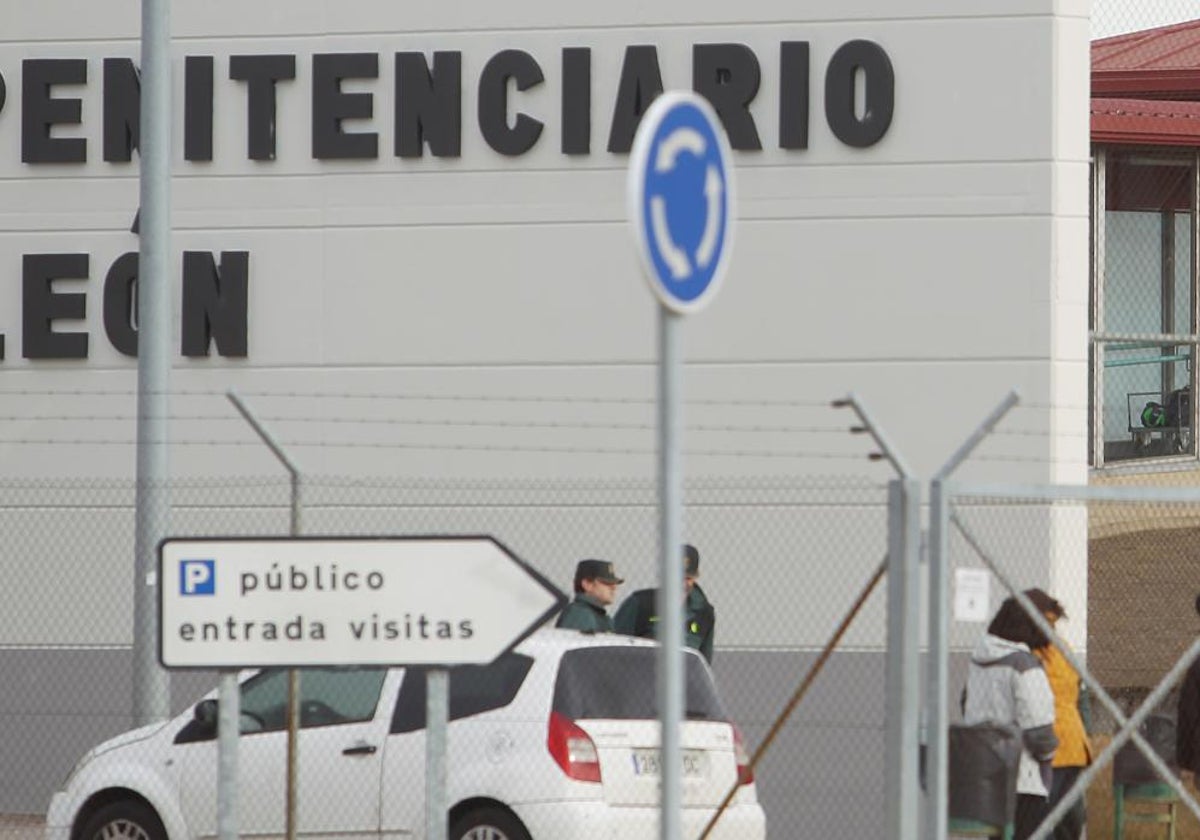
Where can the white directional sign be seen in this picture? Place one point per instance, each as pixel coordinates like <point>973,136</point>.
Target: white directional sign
<point>232,603</point>
<point>680,195</point>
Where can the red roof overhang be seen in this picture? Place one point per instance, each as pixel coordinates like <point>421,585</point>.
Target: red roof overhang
<point>1178,83</point>
<point>1153,122</point>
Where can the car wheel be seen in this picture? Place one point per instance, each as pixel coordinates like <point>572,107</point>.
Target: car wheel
<point>487,824</point>
<point>126,820</point>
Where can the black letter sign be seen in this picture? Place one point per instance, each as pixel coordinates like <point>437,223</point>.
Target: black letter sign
<point>641,83</point>
<point>214,302</point>
<point>576,100</point>
<point>260,73</point>
<point>41,307</point>
<point>122,105</point>
<point>40,111</point>
<point>120,305</point>
<point>198,107</point>
<point>727,75</point>
<point>880,82</point>
<point>493,102</point>
<point>428,105</point>
<point>793,95</point>
<point>330,105</point>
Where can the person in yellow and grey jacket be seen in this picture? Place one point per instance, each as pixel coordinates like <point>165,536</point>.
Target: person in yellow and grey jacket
<point>1007,685</point>
<point>1071,710</point>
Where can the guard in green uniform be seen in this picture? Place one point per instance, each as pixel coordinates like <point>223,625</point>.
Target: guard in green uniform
<point>638,615</point>
<point>596,585</point>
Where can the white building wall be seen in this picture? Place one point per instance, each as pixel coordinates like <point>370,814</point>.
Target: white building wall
<point>928,273</point>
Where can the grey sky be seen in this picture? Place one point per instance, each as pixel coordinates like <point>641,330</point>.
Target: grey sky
<point>1113,17</point>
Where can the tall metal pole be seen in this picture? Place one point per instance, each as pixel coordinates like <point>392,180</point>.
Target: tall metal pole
<point>151,683</point>
<point>670,575</point>
<point>938,717</point>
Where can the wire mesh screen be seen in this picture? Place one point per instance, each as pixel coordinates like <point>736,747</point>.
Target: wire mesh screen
<point>1147,290</point>
<point>780,563</point>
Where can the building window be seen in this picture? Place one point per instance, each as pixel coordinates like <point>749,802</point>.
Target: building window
<point>1144,305</point>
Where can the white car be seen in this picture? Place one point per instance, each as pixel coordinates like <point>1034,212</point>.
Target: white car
<point>556,739</point>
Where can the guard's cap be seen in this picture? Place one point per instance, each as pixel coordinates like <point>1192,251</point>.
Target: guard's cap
<point>601,570</point>
<point>691,560</point>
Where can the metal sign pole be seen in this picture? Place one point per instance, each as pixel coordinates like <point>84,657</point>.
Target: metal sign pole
<point>228,716</point>
<point>680,178</point>
<point>670,576</point>
<point>437,715</point>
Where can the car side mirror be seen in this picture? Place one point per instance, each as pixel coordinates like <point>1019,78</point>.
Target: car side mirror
<point>205,712</point>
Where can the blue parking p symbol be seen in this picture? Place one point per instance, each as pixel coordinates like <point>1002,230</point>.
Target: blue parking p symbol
<point>197,577</point>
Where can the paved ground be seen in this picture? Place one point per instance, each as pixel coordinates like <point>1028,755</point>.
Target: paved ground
<point>20,827</point>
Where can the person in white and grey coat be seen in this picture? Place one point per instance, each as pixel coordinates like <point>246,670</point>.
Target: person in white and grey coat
<point>1006,685</point>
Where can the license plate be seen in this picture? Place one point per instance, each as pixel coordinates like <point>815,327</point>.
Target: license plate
<point>649,763</point>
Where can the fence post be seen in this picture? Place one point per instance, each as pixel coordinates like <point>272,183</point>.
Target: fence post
<point>937,757</point>
<point>903,660</point>
<point>293,707</point>
<point>937,752</point>
<point>902,669</point>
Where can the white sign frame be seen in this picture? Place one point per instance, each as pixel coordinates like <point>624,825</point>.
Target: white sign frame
<point>329,601</point>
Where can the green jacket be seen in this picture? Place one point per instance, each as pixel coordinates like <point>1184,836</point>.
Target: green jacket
<point>638,616</point>
<point>586,614</point>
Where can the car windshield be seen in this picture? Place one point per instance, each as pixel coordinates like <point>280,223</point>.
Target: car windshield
<point>619,683</point>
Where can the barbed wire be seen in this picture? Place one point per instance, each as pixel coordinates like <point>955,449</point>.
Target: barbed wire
<point>537,399</point>
<point>423,397</point>
<point>447,447</point>
<point>452,423</point>
<point>1031,459</point>
<point>525,450</point>
<point>1044,406</point>
<point>1038,433</point>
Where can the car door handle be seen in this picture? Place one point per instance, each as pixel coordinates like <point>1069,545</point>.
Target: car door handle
<point>361,748</point>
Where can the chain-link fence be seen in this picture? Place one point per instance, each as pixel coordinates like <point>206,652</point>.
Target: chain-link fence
<point>1117,559</point>
<point>1122,573</point>
<point>782,561</point>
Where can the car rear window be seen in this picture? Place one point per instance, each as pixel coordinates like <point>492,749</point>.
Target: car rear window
<point>474,689</point>
<point>620,684</point>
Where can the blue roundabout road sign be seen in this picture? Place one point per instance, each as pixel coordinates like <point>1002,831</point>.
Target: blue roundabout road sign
<point>680,195</point>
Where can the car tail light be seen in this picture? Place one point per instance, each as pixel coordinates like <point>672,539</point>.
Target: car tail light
<point>572,749</point>
<point>745,771</point>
